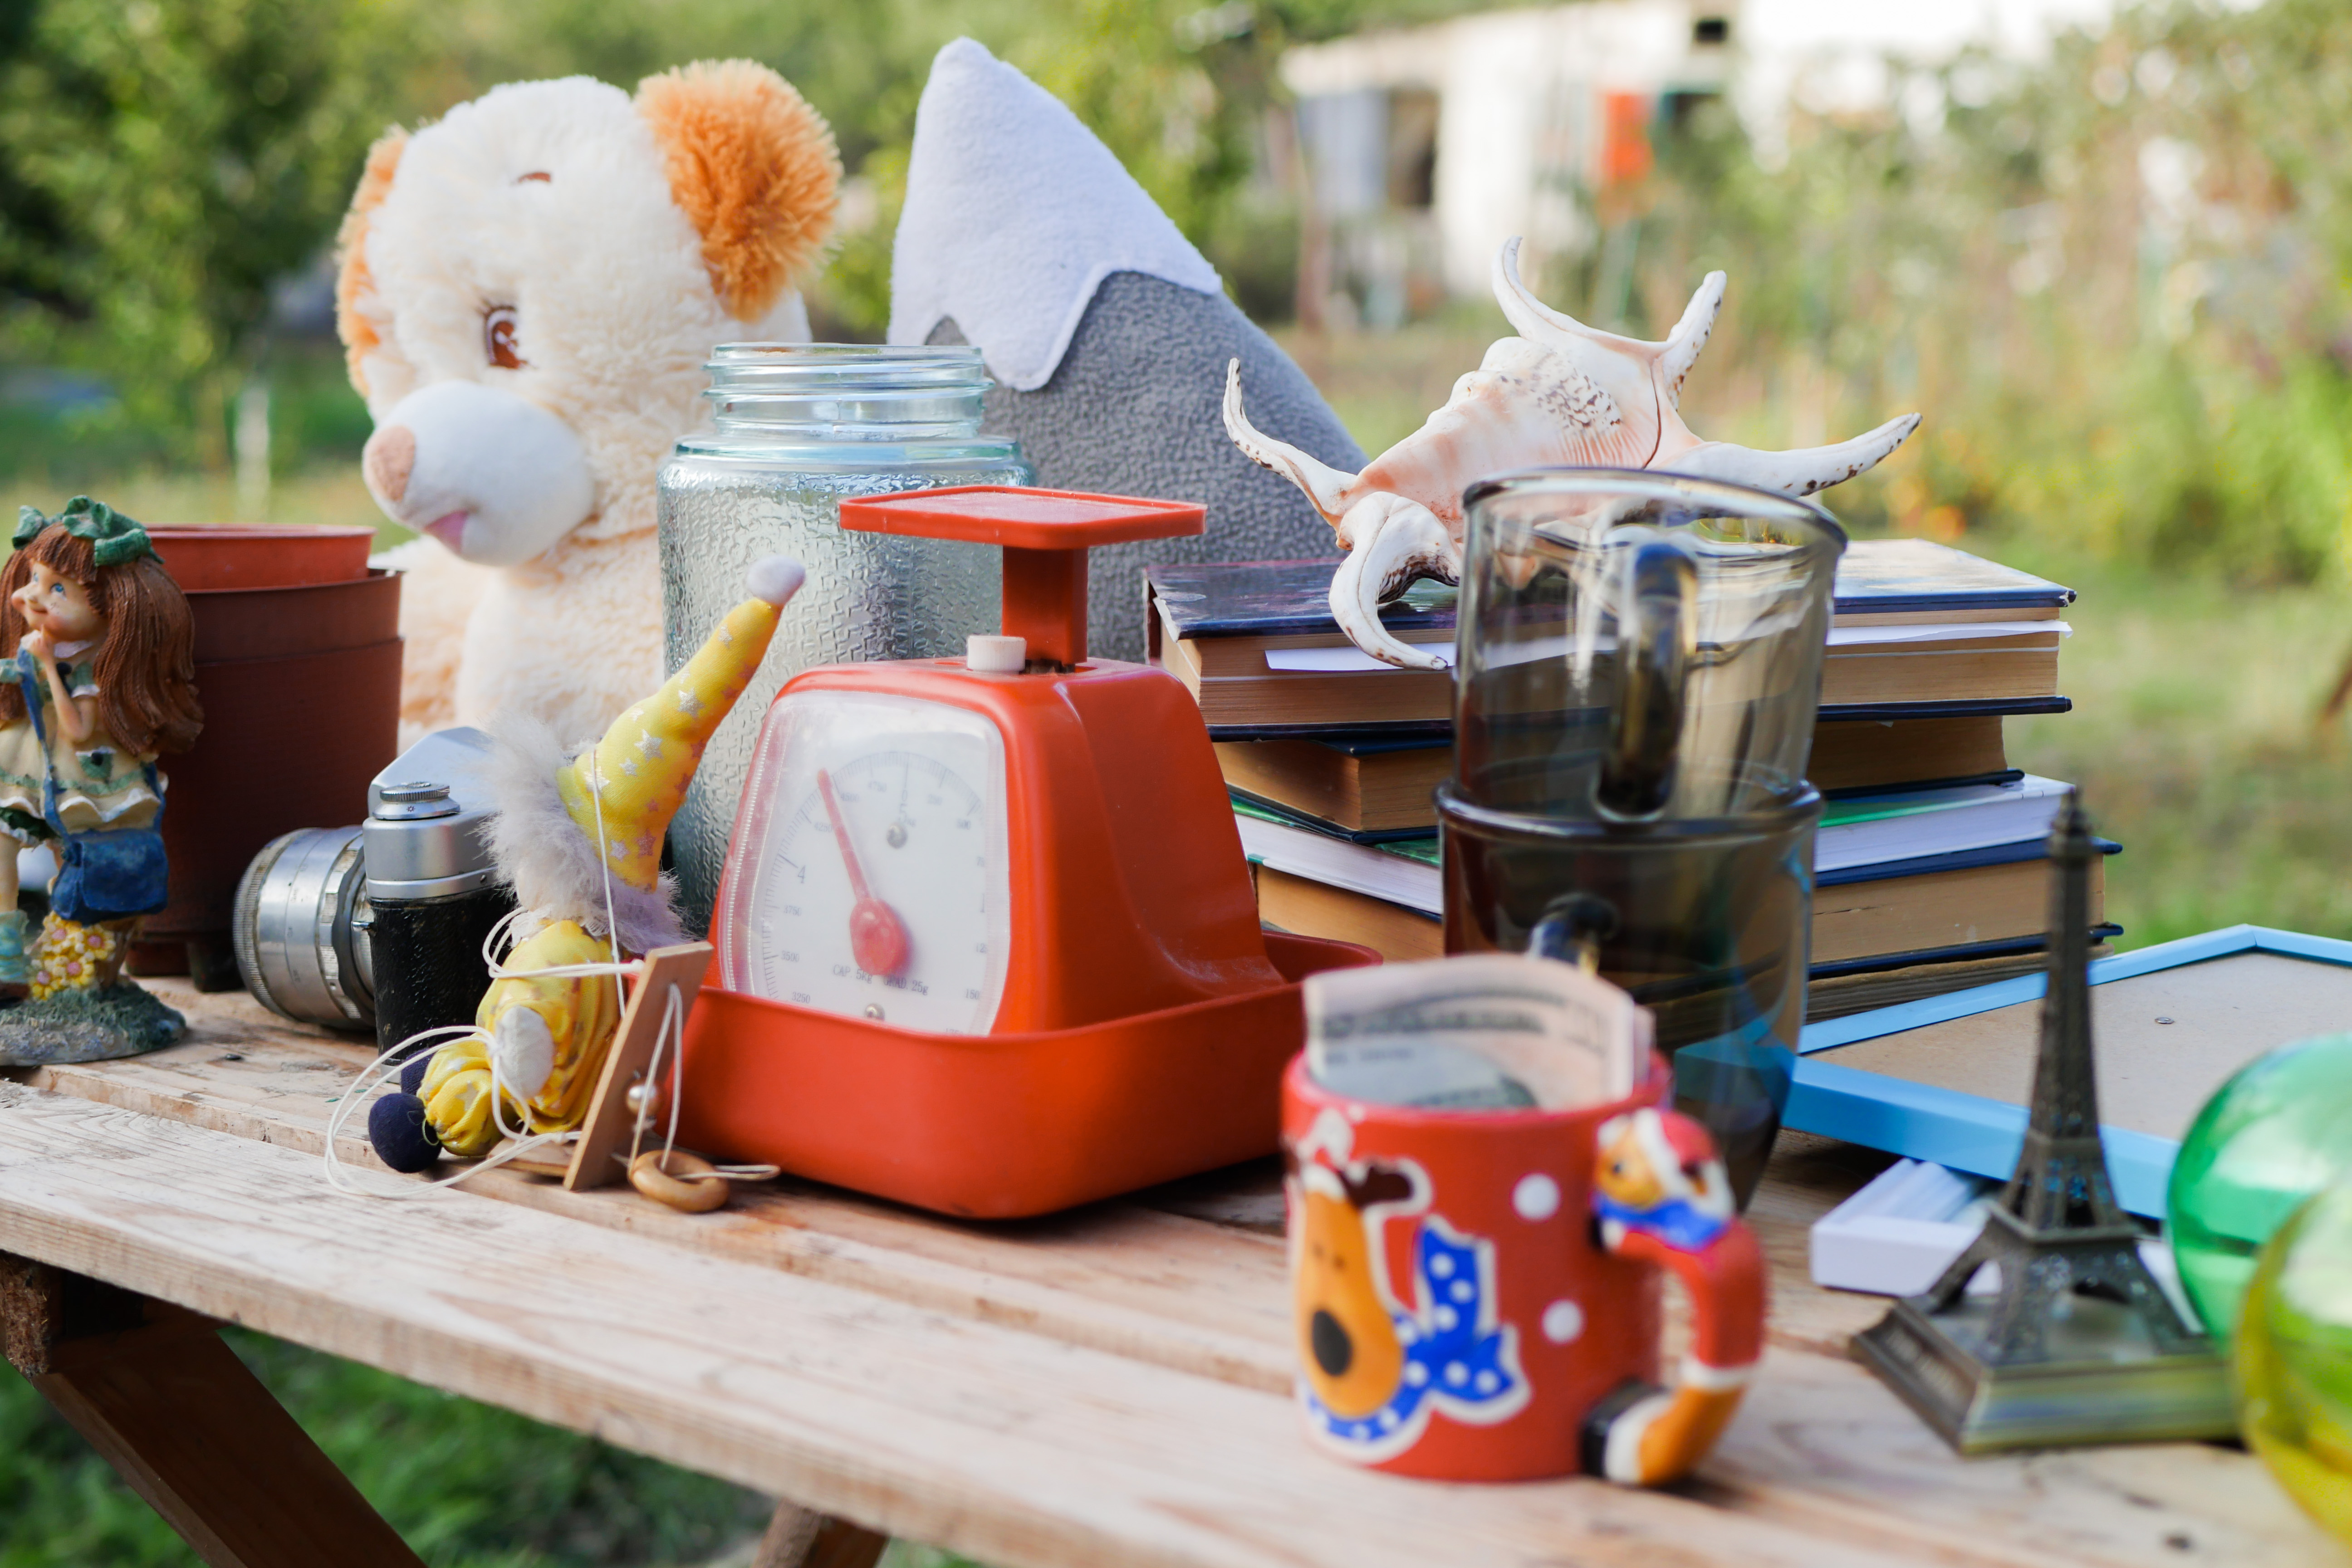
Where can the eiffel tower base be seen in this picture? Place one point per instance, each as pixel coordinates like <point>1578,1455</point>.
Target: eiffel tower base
<point>2102,1384</point>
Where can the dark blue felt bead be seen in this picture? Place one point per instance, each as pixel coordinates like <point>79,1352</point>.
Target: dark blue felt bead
<point>402,1137</point>
<point>412,1072</point>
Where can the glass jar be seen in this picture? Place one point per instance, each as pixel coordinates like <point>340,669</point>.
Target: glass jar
<point>797,428</point>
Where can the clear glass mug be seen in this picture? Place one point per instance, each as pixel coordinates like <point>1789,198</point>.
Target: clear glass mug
<point>1633,645</point>
<point>1638,661</point>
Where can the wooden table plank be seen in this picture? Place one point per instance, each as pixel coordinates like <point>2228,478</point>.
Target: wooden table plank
<point>1002,1444</point>
<point>1820,1444</point>
<point>1201,1291</point>
<point>1156,1286</point>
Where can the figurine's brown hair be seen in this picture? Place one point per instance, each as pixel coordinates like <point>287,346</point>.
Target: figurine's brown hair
<point>147,658</point>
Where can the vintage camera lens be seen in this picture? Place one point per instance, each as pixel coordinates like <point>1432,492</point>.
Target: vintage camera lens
<point>301,929</point>
<point>380,925</point>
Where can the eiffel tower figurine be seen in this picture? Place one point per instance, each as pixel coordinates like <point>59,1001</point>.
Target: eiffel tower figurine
<point>2079,1344</point>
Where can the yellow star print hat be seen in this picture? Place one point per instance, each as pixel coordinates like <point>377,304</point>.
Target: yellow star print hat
<point>624,790</point>
<point>599,832</point>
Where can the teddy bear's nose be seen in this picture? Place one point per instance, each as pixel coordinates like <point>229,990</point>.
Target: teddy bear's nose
<point>387,459</point>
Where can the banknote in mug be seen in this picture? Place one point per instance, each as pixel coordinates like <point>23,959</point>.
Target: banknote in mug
<point>1484,1032</point>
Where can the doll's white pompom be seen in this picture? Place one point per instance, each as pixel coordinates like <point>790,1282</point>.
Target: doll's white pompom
<point>774,579</point>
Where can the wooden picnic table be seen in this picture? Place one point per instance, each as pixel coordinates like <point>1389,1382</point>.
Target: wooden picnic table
<point>1108,1386</point>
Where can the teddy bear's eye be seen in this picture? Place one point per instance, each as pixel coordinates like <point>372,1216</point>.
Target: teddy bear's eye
<point>500,325</point>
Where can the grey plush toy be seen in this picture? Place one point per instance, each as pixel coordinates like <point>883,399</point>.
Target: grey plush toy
<point>1106,331</point>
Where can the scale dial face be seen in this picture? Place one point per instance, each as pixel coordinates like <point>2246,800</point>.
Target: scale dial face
<point>869,869</point>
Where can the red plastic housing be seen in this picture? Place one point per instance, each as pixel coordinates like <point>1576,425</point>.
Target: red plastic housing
<point>1007,1125</point>
<point>1146,1015</point>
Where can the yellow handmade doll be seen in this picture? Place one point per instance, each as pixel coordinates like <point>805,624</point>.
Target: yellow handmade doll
<point>103,681</point>
<point>580,839</point>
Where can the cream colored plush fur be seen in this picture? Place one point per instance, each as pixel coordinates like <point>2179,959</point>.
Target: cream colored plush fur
<point>549,223</point>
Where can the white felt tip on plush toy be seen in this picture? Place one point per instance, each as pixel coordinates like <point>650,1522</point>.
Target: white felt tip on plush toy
<point>524,1049</point>
<point>774,579</point>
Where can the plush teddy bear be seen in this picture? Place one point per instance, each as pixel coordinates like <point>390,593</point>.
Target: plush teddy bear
<point>529,290</point>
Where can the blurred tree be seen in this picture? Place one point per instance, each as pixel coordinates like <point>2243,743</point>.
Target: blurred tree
<point>162,163</point>
<point>33,265</point>
<point>2118,282</point>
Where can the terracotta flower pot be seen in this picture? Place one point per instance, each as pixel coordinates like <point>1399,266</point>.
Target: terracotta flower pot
<point>298,665</point>
<point>210,557</point>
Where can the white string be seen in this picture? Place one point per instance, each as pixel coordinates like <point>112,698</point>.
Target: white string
<point>671,1011</point>
<point>373,1077</point>
<point>496,943</point>
<point>670,1040</point>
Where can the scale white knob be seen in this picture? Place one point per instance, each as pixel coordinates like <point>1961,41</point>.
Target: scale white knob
<point>994,655</point>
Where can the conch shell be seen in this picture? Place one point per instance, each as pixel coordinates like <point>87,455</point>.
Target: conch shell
<point>1560,394</point>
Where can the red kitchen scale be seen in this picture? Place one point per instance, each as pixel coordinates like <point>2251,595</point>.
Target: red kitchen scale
<point>986,938</point>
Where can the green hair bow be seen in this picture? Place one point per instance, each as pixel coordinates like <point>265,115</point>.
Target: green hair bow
<point>114,538</point>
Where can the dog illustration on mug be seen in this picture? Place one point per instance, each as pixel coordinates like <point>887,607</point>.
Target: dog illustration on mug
<point>1373,1367</point>
<point>1348,1337</point>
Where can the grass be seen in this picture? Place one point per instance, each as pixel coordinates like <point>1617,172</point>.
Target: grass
<point>467,1486</point>
<point>2194,739</point>
<point>322,492</point>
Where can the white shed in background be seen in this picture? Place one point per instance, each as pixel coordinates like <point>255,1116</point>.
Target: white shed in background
<point>1497,124</point>
<point>1426,147</point>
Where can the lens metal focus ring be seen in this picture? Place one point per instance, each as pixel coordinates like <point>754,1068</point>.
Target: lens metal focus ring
<point>292,904</point>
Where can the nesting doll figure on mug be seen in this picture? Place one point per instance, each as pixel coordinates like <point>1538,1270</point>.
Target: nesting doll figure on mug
<point>102,684</point>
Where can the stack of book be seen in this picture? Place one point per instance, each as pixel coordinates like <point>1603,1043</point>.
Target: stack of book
<point>1928,868</point>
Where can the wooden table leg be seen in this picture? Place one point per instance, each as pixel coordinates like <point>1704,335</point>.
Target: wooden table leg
<point>798,1537</point>
<point>172,1408</point>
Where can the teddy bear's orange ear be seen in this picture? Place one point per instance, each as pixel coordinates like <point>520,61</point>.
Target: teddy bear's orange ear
<point>753,167</point>
<point>354,289</point>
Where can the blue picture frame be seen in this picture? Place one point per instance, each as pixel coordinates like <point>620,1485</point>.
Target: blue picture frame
<point>1970,1132</point>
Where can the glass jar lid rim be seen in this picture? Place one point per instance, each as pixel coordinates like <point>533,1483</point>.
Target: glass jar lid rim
<point>944,355</point>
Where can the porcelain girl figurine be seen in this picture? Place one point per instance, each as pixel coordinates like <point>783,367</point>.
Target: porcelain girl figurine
<point>104,653</point>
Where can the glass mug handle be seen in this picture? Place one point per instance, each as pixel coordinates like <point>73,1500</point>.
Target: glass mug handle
<point>1656,632</point>
<point>1661,1197</point>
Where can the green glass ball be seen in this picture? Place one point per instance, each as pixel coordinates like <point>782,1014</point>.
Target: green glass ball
<point>2278,1132</point>
<point>2293,1369</point>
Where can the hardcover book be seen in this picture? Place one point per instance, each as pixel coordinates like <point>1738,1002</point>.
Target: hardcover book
<point>1920,630</point>
<point>1383,780</point>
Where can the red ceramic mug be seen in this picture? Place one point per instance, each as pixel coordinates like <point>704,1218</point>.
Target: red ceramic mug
<point>1475,1292</point>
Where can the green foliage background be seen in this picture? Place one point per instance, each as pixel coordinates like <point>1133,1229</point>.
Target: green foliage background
<point>2166,381</point>
<point>2148,384</point>
<point>162,161</point>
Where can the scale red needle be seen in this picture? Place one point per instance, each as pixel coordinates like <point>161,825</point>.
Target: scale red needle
<point>876,940</point>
